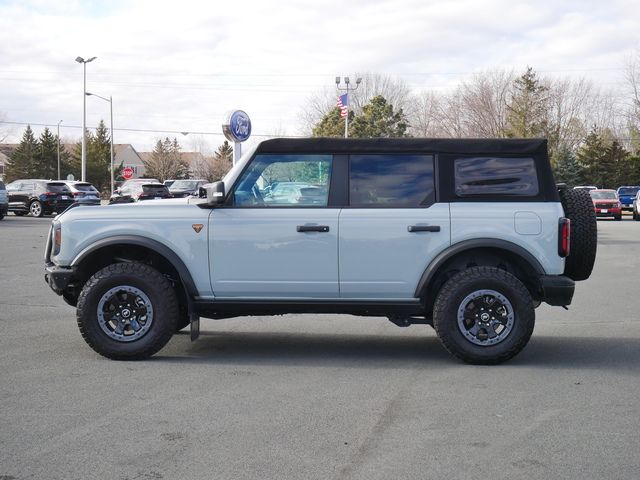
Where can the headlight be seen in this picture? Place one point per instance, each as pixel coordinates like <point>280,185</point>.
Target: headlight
<point>57,238</point>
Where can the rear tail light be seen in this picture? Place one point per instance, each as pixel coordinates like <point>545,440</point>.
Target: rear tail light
<point>564,237</point>
<point>50,194</point>
<point>78,194</point>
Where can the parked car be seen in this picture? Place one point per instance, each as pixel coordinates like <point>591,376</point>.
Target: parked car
<point>296,193</point>
<point>4,202</point>
<point>606,203</point>
<point>636,207</point>
<point>84,192</point>
<point>135,192</point>
<point>626,195</point>
<point>133,181</point>
<point>185,188</point>
<point>38,197</point>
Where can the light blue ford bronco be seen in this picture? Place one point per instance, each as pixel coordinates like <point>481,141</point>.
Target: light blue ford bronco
<point>468,236</point>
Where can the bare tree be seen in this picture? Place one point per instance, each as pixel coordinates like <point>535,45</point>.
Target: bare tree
<point>424,118</point>
<point>632,75</point>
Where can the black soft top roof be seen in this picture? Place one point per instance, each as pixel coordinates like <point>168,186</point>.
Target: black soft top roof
<point>474,146</point>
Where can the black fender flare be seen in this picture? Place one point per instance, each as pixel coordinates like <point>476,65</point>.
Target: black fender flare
<point>476,243</point>
<point>159,248</point>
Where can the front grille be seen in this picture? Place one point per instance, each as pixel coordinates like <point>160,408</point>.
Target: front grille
<point>606,205</point>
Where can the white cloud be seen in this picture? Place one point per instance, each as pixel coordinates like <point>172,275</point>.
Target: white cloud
<point>181,66</point>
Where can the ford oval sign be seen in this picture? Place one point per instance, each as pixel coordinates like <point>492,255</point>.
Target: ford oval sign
<point>237,127</point>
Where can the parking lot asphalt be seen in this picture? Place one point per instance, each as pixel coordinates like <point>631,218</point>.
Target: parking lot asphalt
<point>320,396</point>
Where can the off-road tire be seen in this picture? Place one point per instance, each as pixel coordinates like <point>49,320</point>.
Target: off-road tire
<point>578,207</point>
<point>453,296</point>
<point>142,278</point>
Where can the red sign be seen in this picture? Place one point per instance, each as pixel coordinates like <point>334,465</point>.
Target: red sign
<point>127,173</point>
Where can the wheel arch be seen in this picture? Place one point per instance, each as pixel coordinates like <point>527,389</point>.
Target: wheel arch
<point>468,253</point>
<point>125,248</point>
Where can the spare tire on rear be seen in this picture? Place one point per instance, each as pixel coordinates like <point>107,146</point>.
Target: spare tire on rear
<point>578,207</point>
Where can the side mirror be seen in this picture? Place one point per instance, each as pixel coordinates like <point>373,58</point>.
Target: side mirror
<point>215,193</point>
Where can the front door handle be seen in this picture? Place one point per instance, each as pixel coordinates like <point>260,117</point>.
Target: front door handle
<point>312,228</point>
<point>423,228</point>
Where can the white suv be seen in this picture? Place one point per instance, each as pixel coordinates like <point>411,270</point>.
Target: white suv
<point>468,236</point>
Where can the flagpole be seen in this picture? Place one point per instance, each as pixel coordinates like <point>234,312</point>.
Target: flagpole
<point>346,119</point>
<point>347,88</point>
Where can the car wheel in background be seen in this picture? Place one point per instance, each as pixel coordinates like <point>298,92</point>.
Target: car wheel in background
<point>35,209</point>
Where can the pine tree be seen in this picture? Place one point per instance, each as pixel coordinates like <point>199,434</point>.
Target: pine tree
<point>527,110</point>
<point>378,119</point>
<point>166,161</point>
<point>331,125</point>
<point>593,158</point>
<point>22,163</point>
<point>47,159</point>
<point>621,169</point>
<point>567,168</point>
<point>99,158</point>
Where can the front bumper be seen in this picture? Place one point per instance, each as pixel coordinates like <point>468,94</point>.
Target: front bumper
<point>557,290</point>
<point>58,278</point>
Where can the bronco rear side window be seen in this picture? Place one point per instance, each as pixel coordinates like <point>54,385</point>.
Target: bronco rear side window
<point>509,176</point>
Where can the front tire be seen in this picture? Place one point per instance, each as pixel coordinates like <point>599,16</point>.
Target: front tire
<point>484,315</point>
<point>127,311</point>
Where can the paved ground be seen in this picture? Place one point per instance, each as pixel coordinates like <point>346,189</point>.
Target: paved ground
<point>320,397</point>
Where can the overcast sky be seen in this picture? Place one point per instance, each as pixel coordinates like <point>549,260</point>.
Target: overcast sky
<point>180,66</point>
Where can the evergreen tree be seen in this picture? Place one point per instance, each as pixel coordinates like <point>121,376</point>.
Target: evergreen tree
<point>166,161</point>
<point>378,119</point>
<point>332,124</point>
<point>527,110</point>
<point>47,159</point>
<point>567,168</point>
<point>593,158</point>
<point>621,166</point>
<point>99,158</point>
<point>24,158</point>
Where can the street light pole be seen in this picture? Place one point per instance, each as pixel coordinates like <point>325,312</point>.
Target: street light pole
<point>59,149</point>
<point>83,167</point>
<point>348,89</point>
<point>110,100</point>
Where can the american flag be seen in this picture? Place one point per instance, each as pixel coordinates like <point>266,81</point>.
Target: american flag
<point>342,104</point>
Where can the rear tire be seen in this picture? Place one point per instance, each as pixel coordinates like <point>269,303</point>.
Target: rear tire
<point>578,207</point>
<point>127,311</point>
<point>484,315</point>
<point>618,218</point>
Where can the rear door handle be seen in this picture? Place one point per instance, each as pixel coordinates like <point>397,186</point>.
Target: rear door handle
<point>423,228</point>
<point>312,228</point>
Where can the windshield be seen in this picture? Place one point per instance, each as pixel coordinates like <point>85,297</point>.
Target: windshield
<point>600,195</point>
<point>184,185</point>
<point>628,190</point>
